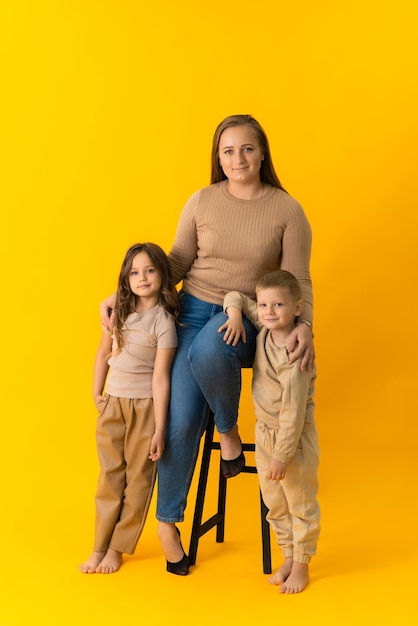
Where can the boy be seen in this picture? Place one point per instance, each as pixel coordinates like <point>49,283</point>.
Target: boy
<point>286,439</point>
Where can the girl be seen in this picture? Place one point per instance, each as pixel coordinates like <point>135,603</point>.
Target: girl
<point>132,412</point>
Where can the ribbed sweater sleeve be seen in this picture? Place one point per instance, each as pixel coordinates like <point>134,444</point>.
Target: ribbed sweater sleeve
<point>225,244</point>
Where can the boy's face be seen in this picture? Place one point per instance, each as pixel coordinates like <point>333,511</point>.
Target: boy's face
<point>277,308</point>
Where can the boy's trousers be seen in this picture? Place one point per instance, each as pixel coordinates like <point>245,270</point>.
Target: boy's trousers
<point>124,431</point>
<point>293,508</point>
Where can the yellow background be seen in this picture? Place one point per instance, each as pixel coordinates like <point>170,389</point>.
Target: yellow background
<point>107,114</point>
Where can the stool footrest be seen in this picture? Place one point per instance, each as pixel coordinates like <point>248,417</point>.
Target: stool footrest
<point>247,447</point>
<point>210,523</point>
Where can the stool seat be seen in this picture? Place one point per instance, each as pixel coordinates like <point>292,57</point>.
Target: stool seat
<point>200,528</point>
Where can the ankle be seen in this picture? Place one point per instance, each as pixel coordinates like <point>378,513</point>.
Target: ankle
<point>165,529</point>
<point>230,443</point>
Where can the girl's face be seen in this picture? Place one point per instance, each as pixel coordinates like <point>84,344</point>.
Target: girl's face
<point>145,280</point>
<point>240,154</point>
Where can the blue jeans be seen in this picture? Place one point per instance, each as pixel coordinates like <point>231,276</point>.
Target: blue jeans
<point>205,371</point>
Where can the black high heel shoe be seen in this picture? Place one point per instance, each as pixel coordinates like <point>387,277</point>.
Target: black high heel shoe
<point>180,568</point>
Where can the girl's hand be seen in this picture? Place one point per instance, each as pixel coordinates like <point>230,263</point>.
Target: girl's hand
<point>107,312</point>
<point>233,327</point>
<point>157,447</point>
<point>276,470</point>
<point>300,344</point>
<point>99,399</point>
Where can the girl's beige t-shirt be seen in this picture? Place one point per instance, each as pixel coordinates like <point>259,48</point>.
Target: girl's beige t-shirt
<point>131,369</point>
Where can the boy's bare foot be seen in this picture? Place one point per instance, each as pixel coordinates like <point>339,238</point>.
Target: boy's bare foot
<point>111,562</point>
<point>230,443</point>
<point>282,573</point>
<point>89,567</point>
<point>297,579</point>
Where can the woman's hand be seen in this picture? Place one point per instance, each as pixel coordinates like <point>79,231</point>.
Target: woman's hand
<point>233,327</point>
<point>300,344</point>
<point>107,312</point>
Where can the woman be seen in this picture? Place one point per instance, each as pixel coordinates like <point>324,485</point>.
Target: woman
<point>229,234</point>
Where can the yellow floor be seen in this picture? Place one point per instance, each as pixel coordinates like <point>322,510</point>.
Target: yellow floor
<point>365,570</point>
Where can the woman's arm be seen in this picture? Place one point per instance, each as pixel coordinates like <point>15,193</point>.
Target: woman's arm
<point>101,367</point>
<point>107,312</point>
<point>184,249</point>
<point>296,256</point>
<point>161,395</point>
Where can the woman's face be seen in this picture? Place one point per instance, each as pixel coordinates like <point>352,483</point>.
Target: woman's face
<point>240,154</point>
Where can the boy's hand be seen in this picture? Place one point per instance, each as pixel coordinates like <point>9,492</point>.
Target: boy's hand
<point>157,447</point>
<point>233,327</point>
<point>276,470</point>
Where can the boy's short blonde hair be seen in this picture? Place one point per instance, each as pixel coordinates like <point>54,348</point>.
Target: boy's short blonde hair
<point>283,279</point>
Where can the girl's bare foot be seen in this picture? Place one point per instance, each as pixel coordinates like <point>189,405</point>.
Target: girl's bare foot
<point>282,573</point>
<point>170,542</point>
<point>89,567</point>
<point>111,562</point>
<point>230,444</point>
<point>297,579</point>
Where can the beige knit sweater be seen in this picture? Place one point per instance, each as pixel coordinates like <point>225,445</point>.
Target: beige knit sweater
<point>225,244</point>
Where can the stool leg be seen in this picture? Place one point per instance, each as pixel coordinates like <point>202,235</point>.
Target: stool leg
<point>220,526</point>
<point>201,489</point>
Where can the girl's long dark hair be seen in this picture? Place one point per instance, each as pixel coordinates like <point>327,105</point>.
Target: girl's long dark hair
<point>126,300</point>
<point>267,171</point>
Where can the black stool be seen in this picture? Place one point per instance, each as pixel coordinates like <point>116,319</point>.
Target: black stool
<point>199,528</point>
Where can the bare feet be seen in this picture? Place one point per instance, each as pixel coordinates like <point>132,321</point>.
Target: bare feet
<point>170,542</point>
<point>293,577</point>
<point>282,573</point>
<point>110,563</point>
<point>297,579</point>
<point>89,567</point>
<point>230,444</point>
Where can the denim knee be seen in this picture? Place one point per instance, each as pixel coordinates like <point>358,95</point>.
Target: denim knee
<point>216,367</point>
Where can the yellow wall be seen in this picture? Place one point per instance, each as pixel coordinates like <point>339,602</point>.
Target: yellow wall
<point>108,110</point>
